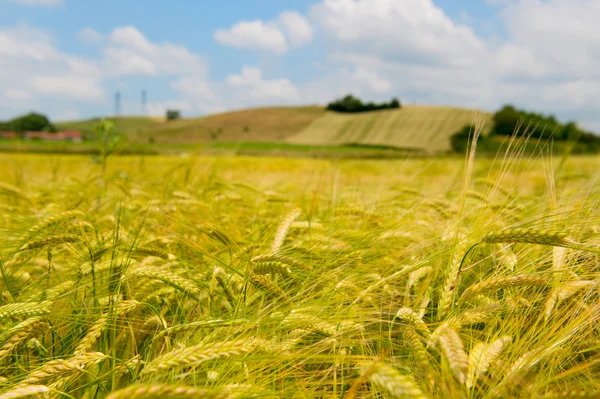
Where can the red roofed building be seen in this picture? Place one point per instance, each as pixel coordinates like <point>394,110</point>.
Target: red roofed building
<point>9,135</point>
<point>67,135</point>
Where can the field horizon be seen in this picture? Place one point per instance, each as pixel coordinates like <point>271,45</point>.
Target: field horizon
<point>414,127</point>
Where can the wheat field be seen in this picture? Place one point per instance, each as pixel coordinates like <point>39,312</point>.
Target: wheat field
<point>425,128</point>
<point>232,277</point>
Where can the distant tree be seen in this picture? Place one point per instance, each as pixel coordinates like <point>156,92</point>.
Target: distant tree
<point>569,132</point>
<point>351,104</point>
<point>173,114</point>
<point>4,126</point>
<point>459,141</point>
<point>32,122</point>
<point>510,120</point>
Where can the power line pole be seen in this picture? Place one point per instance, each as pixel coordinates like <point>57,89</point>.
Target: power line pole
<point>144,99</point>
<point>117,104</point>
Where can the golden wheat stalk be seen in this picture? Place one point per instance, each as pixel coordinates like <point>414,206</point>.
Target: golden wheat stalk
<point>27,309</point>
<point>49,222</point>
<point>60,368</point>
<point>267,285</point>
<point>16,336</point>
<point>160,391</point>
<point>574,394</point>
<point>417,348</point>
<point>388,378</point>
<point>528,236</point>
<point>96,330</point>
<point>200,324</point>
<point>455,354</point>
<point>23,391</point>
<point>310,323</point>
<point>293,263</point>
<point>504,282</point>
<point>283,228</point>
<point>482,356</point>
<point>171,279</point>
<point>51,241</point>
<point>447,297</point>
<point>195,355</point>
<point>411,318</point>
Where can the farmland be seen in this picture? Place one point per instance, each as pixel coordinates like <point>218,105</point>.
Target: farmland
<point>217,276</point>
<point>416,128</point>
<point>413,127</point>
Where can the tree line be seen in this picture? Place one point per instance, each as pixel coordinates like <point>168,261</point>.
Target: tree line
<point>32,122</point>
<point>351,104</point>
<point>509,120</point>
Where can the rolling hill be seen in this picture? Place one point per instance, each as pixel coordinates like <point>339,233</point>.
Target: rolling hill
<point>423,128</point>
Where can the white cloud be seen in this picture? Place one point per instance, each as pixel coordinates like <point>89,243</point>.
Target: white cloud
<point>45,3</point>
<point>550,61</point>
<point>297,28</point>
<point>130,53</point>
<point>16,94</point>
<point>253,35</point>
<point>252,86</point>
<point>372,79</point>
<point>89,36</point>
<point>25,42</point>
<point>33,70</point>
<point>277,36</point>
<point>76,87</point>
<point>414,31</point>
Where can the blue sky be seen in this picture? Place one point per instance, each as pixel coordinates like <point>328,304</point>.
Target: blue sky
<point>67,58</point>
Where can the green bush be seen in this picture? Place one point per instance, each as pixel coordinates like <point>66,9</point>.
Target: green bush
<point>510,120</point>
<point>173,114</point>
<point>460,140</point>
<point>32,122</point>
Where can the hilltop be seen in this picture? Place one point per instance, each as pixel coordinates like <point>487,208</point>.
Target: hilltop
<point>423,128</point>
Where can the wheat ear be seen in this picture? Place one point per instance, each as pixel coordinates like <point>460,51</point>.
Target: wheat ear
<point>27,309</point>
<point>171,279</point>
<point>504,282</point>
<point>482,356</point>
<point>454,350</point>
<point>61,368</point>
<point>159,391</point>
<point>528,236</point>
<point>95,331</point>
<point>397,385</point>
<point>194,355</point>
<point>51,241</point>
<point>283,228</point>
<point>411,318</point>
<point>21,392</point>
<point>49,222</point>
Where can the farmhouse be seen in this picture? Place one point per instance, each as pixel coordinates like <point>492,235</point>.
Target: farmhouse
<point>66,135</point>
<point>8,135</point>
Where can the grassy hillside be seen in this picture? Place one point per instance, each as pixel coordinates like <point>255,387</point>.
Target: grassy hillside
<point>273,124</point>
<point>129,125</point>
<point>416,127</point>
<point>421,128</point>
